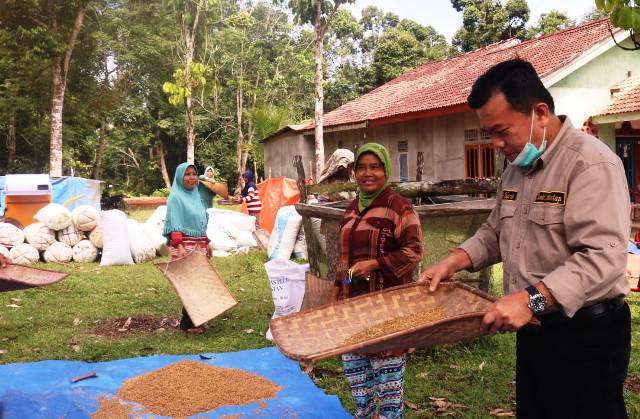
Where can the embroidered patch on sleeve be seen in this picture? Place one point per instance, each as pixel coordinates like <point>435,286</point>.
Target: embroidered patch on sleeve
<point>551,197</point>
<point>509,195</point>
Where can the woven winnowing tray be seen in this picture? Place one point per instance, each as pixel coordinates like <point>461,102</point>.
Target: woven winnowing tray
<point>322,332</point>
<point>18,277</point>
<point>201,290</point>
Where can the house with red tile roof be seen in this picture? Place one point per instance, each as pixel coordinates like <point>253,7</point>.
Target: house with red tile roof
<point>423,114</point>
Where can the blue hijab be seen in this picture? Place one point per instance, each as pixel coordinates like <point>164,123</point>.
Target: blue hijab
<point>185,212</point>
<point>250,183</point>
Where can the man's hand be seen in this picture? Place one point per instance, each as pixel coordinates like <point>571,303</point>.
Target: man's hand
<point>4,261</point>
<point>363,268</point>
<point>508,313</point>
<point>456,261</point>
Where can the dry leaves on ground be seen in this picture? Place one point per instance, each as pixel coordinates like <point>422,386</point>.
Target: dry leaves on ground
<point>497,412</point>
<point>443,407</point>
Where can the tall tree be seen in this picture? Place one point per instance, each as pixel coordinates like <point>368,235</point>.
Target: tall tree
<point>319,13</point>
<point>65,35</point>
<point>551,22</point>
<point>487,21</point>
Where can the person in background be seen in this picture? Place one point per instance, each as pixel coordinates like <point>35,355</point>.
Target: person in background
<point>381,242</point>
<point>4,261</point>
<point>186,221</point>
<point>208,188</point>
<point>249,195</point>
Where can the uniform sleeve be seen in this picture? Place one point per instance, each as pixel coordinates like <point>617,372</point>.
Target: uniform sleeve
<point>402,261</point>
<point>596,220</point>
<point>483,247</point>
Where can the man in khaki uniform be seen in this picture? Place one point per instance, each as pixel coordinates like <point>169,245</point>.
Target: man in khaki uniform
<point>560,226</point>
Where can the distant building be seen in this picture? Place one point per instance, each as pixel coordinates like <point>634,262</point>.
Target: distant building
<point>425,110</point>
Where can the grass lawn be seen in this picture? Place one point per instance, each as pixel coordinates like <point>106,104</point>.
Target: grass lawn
<point>60,322</point>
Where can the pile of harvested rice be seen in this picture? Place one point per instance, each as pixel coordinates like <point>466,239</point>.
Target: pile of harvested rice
<point>395,325</point>
<point>189,387</point>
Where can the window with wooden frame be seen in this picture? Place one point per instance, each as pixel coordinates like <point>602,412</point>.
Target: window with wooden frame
<point>479,154</point>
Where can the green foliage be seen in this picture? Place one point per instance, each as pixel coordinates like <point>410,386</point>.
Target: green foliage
<point>624,14</point>
<point>162,192</point>
<point>186,82</point>
<point>551,22</point>
<point>487,21</point>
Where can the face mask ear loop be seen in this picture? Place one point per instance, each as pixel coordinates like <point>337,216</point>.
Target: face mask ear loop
<point>544,138</point>
<point>531,129</point>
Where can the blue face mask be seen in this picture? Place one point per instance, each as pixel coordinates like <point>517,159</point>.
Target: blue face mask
<point>530,153</point>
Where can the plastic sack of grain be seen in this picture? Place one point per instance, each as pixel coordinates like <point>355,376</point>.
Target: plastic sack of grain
<point>70,235</point>
<point>287,280</point>
<point>85,217</point>
<point>58,252</point>
<point>156,220</point>
<point>158,241</point>
<point>300,248</point>
<point>85,252</point>
<point>240,221</point>
<point>24,254</point>
<point>219,238</point>
<point>96,237</point>
<point>284,234</point>
<point>4,251</point>
<point>242,238</point>
<point>115,238</point>
<point>10,235</point>
<point>54,216</point>
<point>39,236</point>
<point>139,243</point>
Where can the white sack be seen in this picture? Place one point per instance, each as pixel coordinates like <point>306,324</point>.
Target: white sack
<point>70,235</point>
<point>85,252</point>
<point>139,243</point>
<point>85,217</point>
<point>156,238</point>
<point>156,220</point>
<point>284,233</point>
<point>39,236</point>
<point>96,237</point>
<point>236,219</point>
<point>300,247</point>
<point>10,235</point>
<point>4,251</point>
<point>287,280</point>
<point>54,216</point>
<point>24,254</point>
<point>58,252</point>
<point>115,237</point>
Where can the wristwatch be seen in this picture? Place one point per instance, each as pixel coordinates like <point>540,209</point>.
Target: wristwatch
<point>537,301</point>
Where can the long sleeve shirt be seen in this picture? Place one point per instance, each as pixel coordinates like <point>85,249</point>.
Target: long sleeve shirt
<point>564,222</point>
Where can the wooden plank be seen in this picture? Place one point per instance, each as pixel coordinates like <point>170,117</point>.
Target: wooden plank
<point>313,247</point>
<point>424,188</point>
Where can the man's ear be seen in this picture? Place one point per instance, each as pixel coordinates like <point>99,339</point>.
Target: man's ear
<point>542,112</point>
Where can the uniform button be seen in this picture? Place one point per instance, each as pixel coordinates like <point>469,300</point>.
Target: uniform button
<point>525,211</point>
<point>518,245</point>
<point>612,244</point>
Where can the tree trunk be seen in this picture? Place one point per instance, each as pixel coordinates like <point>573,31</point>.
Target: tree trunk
<point>163,164</point>
<point>319,140</point>
<point>60,69</point>
<point>97,168</point>
<point>240,145</point>
<point>11,138</point>
<point>191,134</point>
<point>190,45</point>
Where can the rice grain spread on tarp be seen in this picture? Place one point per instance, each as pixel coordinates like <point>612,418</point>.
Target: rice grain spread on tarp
<point>189,387</point>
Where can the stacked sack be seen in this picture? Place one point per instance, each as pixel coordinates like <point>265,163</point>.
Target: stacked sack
<point>60,236</point>
<point>230,231</point>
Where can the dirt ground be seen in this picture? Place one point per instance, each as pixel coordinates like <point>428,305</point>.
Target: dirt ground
<point>124,326</point>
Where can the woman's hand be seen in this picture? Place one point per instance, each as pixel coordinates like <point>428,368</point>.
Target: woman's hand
<point>363,268</point>
<point>182,252</point>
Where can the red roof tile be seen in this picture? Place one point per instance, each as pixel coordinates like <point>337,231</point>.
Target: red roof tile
<point>446,83</point>
<point>625,97</point>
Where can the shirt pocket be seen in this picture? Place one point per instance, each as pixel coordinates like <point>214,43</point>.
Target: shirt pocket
<point>507,212</point>
<point>546,216</point>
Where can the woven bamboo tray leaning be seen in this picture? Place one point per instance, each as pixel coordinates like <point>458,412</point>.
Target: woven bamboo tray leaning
<point>18,277</point>
<point>320,333</point>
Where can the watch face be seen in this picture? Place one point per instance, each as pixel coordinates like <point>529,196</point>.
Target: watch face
<point>537,303</point>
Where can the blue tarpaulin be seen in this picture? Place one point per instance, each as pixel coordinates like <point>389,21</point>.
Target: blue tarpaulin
<point>44,389</point>
<point>68,191</point>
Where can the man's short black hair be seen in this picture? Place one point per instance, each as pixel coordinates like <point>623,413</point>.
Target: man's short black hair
<point>517,80</point>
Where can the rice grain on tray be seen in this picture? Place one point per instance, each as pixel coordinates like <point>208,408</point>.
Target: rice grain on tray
<point>395,325</point>
<point>189,387</point>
